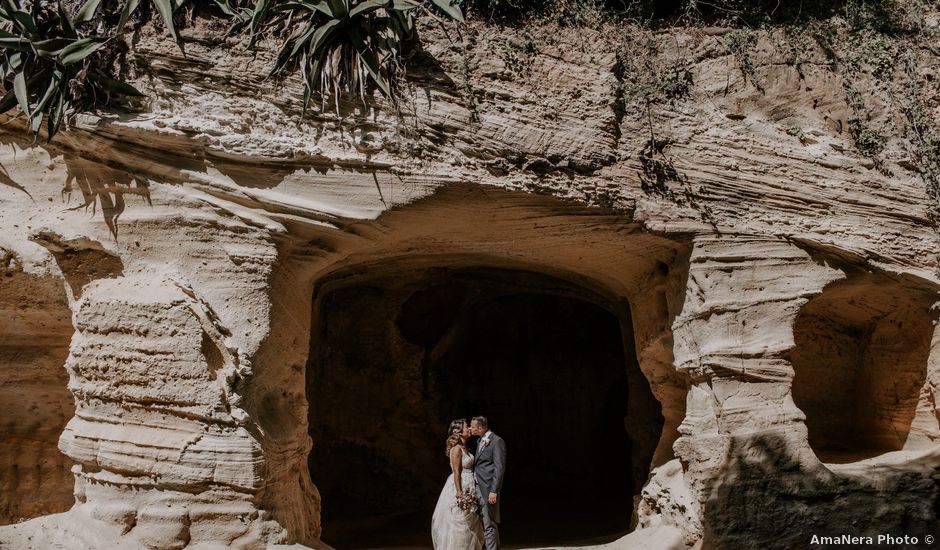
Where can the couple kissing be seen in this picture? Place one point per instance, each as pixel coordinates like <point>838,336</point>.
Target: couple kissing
<point>467,513</point>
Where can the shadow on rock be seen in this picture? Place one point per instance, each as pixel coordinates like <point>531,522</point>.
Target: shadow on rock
<point>772,494</point>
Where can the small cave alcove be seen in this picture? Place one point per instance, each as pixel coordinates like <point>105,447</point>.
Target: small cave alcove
<point>860,361</point>
<point>395,356</point>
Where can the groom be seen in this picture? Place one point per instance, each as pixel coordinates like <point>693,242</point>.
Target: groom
<point>488,471</point>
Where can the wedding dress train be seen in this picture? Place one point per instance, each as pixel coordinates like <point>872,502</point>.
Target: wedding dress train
<point>451,527</point>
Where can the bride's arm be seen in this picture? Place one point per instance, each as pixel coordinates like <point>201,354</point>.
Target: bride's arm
<point>455,458</point>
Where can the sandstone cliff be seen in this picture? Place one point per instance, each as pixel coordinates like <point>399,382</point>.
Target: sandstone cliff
<point>168,271</point>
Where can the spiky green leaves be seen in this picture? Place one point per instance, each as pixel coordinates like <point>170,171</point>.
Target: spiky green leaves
<point>166,8</point>
<point>129,8</point>
<point>340,45</point>
<point>86,12</point>
<point>78,50</point>
<point>43,64</point>
<point>450,8</point>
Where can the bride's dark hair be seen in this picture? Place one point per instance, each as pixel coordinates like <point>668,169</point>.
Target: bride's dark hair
<point>453,434</point>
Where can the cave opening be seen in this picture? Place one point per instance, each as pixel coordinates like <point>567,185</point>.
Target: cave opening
<point>860,362</point>
<point>395,357</point>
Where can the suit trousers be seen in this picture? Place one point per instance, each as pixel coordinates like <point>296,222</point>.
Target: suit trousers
<point>490,523</point>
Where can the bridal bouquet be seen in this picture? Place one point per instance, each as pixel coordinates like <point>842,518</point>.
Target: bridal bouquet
<point>468,502</point>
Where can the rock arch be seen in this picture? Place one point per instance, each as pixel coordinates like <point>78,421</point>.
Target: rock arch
<point>531,243</point>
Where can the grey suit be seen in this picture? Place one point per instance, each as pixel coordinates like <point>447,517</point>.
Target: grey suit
<point>488,471</point>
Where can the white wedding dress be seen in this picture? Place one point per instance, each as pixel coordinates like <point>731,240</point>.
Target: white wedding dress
<point>451,527</point>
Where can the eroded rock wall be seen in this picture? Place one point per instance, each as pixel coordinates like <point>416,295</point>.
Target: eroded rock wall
<point>745,440</point>
<point>35,330</point>
<point>178,249</point>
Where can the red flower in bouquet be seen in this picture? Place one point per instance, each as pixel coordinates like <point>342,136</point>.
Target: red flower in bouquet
<point>468,502</point>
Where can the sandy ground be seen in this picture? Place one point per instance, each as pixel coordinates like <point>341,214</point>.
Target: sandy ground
<point>73,531</point>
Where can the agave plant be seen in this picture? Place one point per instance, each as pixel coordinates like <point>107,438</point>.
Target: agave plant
<point>49,67</point>
<point>42,55</point>
<point>340,45</point>
<point>167,10</point>
<point>45,59</point>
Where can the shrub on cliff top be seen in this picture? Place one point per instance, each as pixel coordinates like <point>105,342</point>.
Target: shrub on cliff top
<point>341,46</point>
<point>44,61</point>
<point>52,62</point>
<point>891,16</point>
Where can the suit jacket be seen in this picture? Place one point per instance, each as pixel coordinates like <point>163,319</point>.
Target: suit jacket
<point>489,470</point>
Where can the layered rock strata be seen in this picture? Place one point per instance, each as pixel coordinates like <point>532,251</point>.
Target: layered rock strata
<point>761,274</point>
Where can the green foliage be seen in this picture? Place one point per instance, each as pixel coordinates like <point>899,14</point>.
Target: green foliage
<point>885,16</point>
<point>567,13</point>
<point>871,51</point>
<point>45,66</point>
<point>866,49</point>
<point>339,45</point>
<point>891,16</point>
<point>921,130</point>
<point>641,81</point>
<point>671,84</point>
<point>798,133</point>
<point>740,42</point>
<point>53,65</point>
<point>59,59</point>
<point>52,60</point>
<point>507,11</point>
<point>674,83</point>
<point>869,142</point>
<point>517,54</point>
<point>577,13</point>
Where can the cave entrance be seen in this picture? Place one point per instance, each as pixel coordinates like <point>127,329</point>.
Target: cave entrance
<point>860,362</point>
<point>395,358</point>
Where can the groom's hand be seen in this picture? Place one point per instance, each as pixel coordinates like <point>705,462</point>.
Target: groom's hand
<point>492,499</point>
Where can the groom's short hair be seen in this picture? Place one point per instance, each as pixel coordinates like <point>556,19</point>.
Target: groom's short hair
<point>481,421</point>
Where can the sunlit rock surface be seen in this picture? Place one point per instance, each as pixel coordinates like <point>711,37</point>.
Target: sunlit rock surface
<point>167,277</point>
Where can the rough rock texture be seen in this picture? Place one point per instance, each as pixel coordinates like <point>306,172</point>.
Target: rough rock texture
<point>34,398</point>
<point>756,277</point>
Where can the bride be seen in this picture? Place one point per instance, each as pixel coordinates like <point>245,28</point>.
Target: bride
<point>454,527</point>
